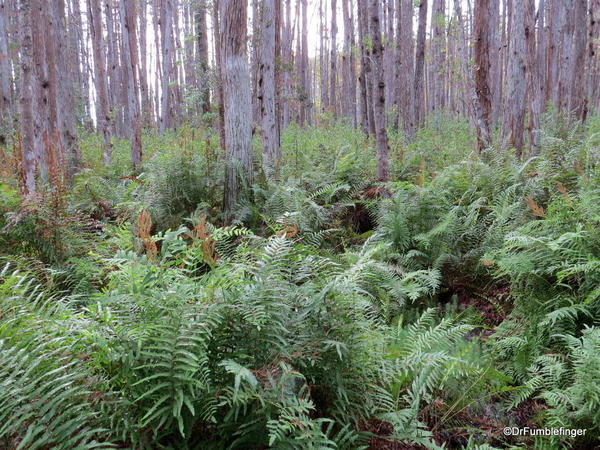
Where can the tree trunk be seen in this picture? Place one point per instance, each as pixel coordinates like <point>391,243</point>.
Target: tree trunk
<point>323,59</point>
<point>129,48</point>
<point>420,65</point>
<point>333,60</point>
<point>219,65</point>
<point>482,70</point>
<point>533,80</point>
<point>577,97</point>
<point>202,40</point>
<point>514,107</point>
<point>5,74</point>
<point>168,68</point>
<point>104,112</point>
<point>383,163</point>
<point>147,114</point>
<point>349,69</point>
<point>405,63</point>
<point>593,63</point>
<point>438,28</point>
<point>270,138</point>
<point>366,68</point>
<point>238,104</point>
<point>28,139</point>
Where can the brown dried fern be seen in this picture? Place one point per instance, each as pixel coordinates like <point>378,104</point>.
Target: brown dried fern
<point>536,209</point>
<point>144,230</point>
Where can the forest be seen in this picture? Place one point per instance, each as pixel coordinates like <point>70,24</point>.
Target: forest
<point>299,224</point>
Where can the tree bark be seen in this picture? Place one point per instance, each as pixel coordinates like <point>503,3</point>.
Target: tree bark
<point>438,29</point>
<point>533,80</point>
<point>366,80</point>
<point>202,41</point>
<point>577,97</point>
<point>420,65</point>
<point>28,139</point>
<point>514,106</point>
<point>270,138</point>
<point>482,69</point>
<point>405,63</point>
<point>129,49</point>
<point>104,112</point>
<point>349,69</point>
<point>383,163</point>
<point>5,74</point>
<point>333,61</point>
<point>168,68</point>
<point>238,105</point>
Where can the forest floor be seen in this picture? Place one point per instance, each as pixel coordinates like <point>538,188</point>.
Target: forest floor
<point>332,311</point>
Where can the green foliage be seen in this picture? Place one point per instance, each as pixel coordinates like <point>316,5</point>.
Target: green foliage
<point>288,329</point>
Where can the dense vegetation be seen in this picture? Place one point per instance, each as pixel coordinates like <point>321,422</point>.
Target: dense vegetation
<point>432,310</point>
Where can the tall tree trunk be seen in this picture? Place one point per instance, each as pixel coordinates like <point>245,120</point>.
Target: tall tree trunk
<point>113,72</point>
<point>333,60</point>
<point>366,80</point>
<point>147,115</point>
<point>349,69</point>
<point>495,76</point>
<point>219,64</point>
<point>65,89</point>
<point>305,116</point>
<point>104,112</point>
<point>438,28</point>
<point>593,48</point>
<point>420,65</point>
<point>514,107</point>
<point>475,108</point>
<point>533,80</point>
<point>238,104</point>
<point>168,68</point>
<point>202,41</point>
<point>383,162</point>
<point>577,97</point>
<point>405,63</point>
<point>288,35</point>
<point>323,59</point>
<point>129,48</point>
<point>27,92</point>
<point>270,138</point>
<point>5,74</point>
<point>482,69</point>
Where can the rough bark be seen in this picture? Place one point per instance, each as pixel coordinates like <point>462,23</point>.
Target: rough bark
<point>5,74</point>
<point>420,65</point>
<point>333,61</point>
<point>593,62</point>
<point>147,115</point>
<point>577,94</point>
<point>168,66</point>
<point>482,69</point>
<point>202,43</point>
<point>349,69</point>
<point>219,64</point>
<point>438,70</point>
<point>270,138</point>
<point>129,48</point>
<point>383,163</point>
<point>533,79</point>
<point>104,112</point>
<point>238,104</point>
<point>28,139</point>
<point>514,106</point>
<point>405,63</point>
<point>366,80</point>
